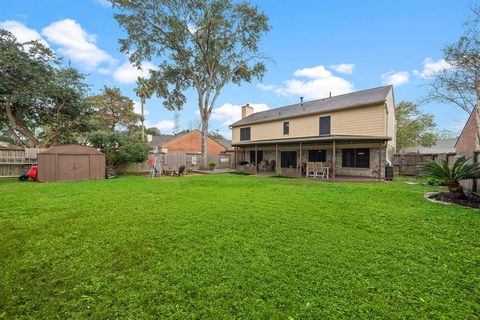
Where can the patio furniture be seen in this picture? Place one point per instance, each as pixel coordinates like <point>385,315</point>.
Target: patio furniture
<point>310,171</point>
<point>262,165</point>
<point>272,165</point>
<point>321,171</point>
<point>180,171</point>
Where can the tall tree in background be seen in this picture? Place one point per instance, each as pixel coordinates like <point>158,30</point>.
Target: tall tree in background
<point>144,91</point>
<point>413,126</point>
<point>114,109</point>
<point>202,44</point>
<point>39,100</point>
<point>216,135</point>
<point>176,121</point>
<point>446,134</point>
<point>458,83</point>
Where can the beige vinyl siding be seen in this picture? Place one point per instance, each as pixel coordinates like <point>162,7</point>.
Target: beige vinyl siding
<point>358,121</point>
<point>368,121</point>
<point>391,122</point>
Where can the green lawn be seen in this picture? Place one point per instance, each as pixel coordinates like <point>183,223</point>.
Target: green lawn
<point>229,246</point>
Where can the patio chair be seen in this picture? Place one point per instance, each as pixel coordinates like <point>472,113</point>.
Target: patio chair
<point>320,171</point>
<point>180,171</point>
<point>271,166</point>
<point>310,170</point>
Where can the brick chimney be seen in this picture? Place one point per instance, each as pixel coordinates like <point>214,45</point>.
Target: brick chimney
<point>246,110</point>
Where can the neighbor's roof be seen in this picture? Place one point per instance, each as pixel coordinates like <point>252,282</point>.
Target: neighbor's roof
<point>344,101</point>
<point>441,146</point>
<point>225,142</point>
<point>164,138</point>
<point>161,140</point>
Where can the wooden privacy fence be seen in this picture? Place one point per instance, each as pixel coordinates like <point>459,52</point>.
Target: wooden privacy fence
<point>15,162</point>
<point>173,160</point>
<point>406,164</point>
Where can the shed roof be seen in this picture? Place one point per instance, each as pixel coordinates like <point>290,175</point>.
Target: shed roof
<point>344,101</point>
<point>70,149</point>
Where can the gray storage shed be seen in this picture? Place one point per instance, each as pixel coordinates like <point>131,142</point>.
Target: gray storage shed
<point>70,162</point>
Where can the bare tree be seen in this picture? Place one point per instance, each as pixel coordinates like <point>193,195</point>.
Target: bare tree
<point>459,82</point>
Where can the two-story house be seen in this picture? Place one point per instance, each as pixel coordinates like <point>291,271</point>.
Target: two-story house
<point>354,134</point>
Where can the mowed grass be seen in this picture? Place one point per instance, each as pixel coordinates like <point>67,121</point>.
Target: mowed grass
<point>234,247</point>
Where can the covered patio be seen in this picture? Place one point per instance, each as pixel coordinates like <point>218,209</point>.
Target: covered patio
<point>346,157</point>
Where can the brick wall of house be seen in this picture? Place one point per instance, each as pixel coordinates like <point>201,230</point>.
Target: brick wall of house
<point>468,145</point>
<point>191,143</point>
<point>371,172</point>
<point>468,141</point>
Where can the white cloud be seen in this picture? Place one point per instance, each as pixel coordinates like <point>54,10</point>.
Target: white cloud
<point>127,73</point>
<point>320,84</point>
<point>22,32</point>
<point>395,78</point>
<point>103,3</point>
<point>317,72</point>
<point>162,125</point>
<point>430,68</point>
<point>346,68</point>
<point>230,113</point>
<point>76,44</point>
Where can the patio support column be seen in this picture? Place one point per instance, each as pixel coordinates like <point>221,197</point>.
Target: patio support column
<point>277,164</point>
<point>380,145</point>
<point>334,159</point>
<point>235,153</point>
<point>256,159</point>
<point>300,162</point>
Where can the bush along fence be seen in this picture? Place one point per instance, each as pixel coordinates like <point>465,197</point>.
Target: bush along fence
<point>407,165</point>
<point>173,160</point>
<point>16,161</point>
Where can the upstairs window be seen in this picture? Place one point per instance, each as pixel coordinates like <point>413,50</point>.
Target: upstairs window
<point>244,134</point>
<point>325,125</point>
<point>356,158</point>
<point>286,127</point>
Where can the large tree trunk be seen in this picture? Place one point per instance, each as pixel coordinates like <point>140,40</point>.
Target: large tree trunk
<point>204,147</point>
<point>21,129</point>
<point>456,189</point>
<point>142,101</point>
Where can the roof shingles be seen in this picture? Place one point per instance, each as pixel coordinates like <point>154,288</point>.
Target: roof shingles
<point>344,101</point>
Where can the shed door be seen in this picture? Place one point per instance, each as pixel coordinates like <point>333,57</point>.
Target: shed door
<point>82,167</point>
<point>66,168</point>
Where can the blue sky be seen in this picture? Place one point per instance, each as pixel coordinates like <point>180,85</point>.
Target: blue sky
<point>316,47</point>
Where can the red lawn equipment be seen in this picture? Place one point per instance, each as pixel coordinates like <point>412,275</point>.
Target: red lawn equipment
<point>32,174</point>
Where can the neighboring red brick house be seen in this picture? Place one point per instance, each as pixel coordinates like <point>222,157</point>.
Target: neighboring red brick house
<point>189,142</point>
<point>468,145</point>
<point>468,142</point>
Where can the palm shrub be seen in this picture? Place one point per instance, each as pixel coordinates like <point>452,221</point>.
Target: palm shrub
<point>451,176</point>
